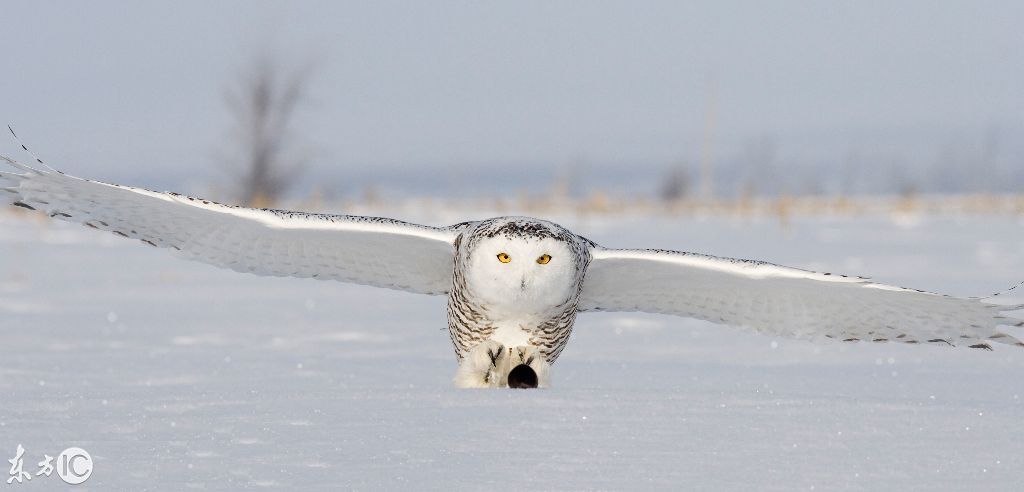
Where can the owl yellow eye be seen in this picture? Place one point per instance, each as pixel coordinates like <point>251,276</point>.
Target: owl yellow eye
<point>504,257</point>
<point>544,259</point>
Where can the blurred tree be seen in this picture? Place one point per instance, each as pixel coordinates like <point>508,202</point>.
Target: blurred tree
<point>262,104</point>
<point>674,185</point>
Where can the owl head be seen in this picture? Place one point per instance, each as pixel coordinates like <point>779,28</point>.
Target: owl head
<point>520,264</point>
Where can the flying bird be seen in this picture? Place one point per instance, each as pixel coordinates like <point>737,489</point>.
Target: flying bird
<point>514,284</point>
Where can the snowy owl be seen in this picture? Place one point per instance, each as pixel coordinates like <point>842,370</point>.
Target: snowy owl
<point>514,284</point>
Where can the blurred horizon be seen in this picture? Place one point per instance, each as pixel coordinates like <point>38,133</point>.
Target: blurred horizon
<point>434,99</point>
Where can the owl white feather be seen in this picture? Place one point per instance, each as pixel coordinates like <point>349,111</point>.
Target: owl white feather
<point>514,284</point>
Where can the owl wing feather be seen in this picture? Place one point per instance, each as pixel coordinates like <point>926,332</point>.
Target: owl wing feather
<point>787,302</point>
<point>364,250</point>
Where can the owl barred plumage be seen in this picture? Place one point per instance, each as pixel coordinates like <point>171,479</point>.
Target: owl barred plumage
<point>470,321</point>
<point>514,284</point>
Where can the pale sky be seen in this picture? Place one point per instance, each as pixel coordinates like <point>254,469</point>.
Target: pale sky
<point>132,91</point>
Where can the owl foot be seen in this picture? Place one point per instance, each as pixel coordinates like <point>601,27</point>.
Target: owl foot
<point>491,365</point>
<point>529,368</point>
<point>485,366</point>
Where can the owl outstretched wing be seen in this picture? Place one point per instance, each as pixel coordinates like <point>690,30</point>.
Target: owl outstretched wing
<point>364,250</point>
<point>787,302</point>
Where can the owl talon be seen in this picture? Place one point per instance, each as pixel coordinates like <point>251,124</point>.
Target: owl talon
<point>495,354</point>
<point>529,369</point>
<point>485,366</point>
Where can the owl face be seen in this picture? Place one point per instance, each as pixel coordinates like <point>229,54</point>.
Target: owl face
<point>521,274</point>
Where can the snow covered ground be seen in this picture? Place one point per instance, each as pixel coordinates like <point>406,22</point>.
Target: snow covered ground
<point>178,375</point>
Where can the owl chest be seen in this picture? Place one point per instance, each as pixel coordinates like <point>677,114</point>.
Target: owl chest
<point>472,323</point>
<point>489,321</point>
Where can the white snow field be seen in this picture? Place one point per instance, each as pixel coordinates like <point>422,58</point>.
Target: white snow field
<point>176,375</point>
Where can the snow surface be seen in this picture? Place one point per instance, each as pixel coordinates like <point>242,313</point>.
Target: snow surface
<point>177,375</point>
